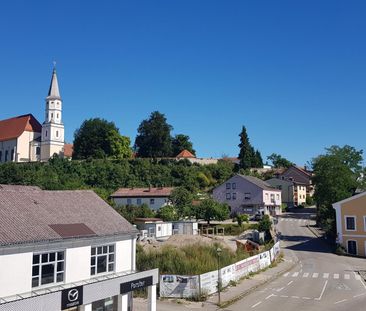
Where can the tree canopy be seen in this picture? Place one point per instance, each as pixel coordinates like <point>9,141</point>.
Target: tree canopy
<point>181,142</point>
<point>248,156</point>
<point>153,139</point>
<point>278,161</point>
<point>208,209</point>
<point>98,138</point>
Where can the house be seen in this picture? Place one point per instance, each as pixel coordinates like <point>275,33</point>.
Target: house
<point>351,224</point>
<point>292,193</point>
<point>300,176</point>
<point>185,227</point>
<point>249,195</point>
<point>66,250</point>
<point>24,139</point>
<point>155,198</point>
<point>154,227</point>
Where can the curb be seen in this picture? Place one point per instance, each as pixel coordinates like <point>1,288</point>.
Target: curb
<point>250,290</point>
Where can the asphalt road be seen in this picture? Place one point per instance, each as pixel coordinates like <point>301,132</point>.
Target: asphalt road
<point>321,280</point>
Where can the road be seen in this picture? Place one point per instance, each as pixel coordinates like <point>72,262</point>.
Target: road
<point>321,280</point>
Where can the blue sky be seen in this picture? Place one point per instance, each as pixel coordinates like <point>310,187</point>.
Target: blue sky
<point>292,72</point>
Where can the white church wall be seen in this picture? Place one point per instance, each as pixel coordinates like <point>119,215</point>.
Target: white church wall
<point>6,147</point>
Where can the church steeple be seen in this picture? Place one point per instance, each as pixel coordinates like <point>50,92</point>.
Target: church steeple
<point>54,92</point>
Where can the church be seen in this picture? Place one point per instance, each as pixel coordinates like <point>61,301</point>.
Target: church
<point>24,139</point>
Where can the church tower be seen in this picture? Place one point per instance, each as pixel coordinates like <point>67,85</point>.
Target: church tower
<point>52,139</point>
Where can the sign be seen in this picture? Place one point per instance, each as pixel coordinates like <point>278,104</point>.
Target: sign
<point>136,284</point>
<point>71,297</point>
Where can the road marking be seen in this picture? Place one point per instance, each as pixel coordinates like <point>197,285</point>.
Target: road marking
<point>272,295</point>
<point>346,276</point>
<point>289,283</point>
<point>315,275</point>
<point>336,275</point>
<point>280,289</point>
<point>257,304</point>
<point>295,274</point>
<point>286,274</point>
<point>284,296</point>
<point>307,298</point>
<point>296,297</point>
<point>325,275</point>
<point>358,277</point>
<point>359,295</point>
<point>305,275</point>
<point>340,301</point>
<point>323,290</point>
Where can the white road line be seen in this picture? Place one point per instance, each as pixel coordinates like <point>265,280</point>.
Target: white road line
<point>358,277</point>
<point>257,304</point>
<point>296,297</point>
<point>346,277</point>
<point>336,276</point>
<point>295,274</point>
<point>340,301</point>
<point>286,274</point>
<point>325,275</point>
<point>315,275</point>
<point>289,283</point>
<point>305,275</point>
<point>284,296</point>
<point>272,295</point>
<point>359,295</point>
<point>307,298</point>
<point>280,289</point>
<point>323,290</point>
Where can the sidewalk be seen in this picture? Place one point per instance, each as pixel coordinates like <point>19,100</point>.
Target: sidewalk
<point>228,295</point>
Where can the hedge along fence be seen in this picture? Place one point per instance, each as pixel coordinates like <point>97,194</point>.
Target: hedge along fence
<point>191,286</point>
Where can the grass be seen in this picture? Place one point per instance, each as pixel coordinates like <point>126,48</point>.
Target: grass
<point>191,259</point>
<point>235,229</point>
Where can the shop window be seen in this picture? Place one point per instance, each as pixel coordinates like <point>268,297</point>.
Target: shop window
<point>48,268</point>
<point>102,259</point>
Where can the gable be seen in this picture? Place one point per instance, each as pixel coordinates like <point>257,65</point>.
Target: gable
<point>14,127</point>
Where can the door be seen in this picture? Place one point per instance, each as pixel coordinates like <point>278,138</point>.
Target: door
<point>352,247</point>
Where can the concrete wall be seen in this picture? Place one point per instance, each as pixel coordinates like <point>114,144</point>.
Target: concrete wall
<point>77,264</point>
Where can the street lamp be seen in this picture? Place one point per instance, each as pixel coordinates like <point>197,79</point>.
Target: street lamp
<point>218,252</point>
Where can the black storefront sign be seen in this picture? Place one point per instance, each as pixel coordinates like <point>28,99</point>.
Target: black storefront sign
<point>136,284</point>
<point>71,297</point>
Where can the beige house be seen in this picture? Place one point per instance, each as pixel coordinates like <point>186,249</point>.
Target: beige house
<point>293,194</point>
<point>351,224</point>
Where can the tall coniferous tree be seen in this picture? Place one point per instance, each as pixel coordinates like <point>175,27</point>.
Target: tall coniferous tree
<point>246,150</point>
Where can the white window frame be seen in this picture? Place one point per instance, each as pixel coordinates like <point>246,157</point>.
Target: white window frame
<point>233,185</point>
<point>356,246</point>
<point>228,186</point>
<point>345,222</point>
<point>228,196</point>
<point>233,196</point>
<point>107,254</point>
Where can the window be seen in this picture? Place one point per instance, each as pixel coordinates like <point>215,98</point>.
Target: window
<point>234,196</point>
<point>247,196</point>
<point>267,196</point>
<point>51,115</point>
<point>351,223</point>
<point>12,155</point>
<point>48,268</point>
<point>46,133</point>
<point>6,155</point>
<point>277,196</point>
<point>129,201</point>
<point>228,185</point>
<point>38,150</point>
<point>152,201</point>
<point>1,156</point>
<point>138,201</point>
<point>233,185</point>
<point>102,259</point>
<point>56,133</point>
<point>352,247</point>
<point>272,197</point>
<point>57,116</point>
<point>228,196</point>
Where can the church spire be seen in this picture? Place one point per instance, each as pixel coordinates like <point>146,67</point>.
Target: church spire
<point>53,92</point>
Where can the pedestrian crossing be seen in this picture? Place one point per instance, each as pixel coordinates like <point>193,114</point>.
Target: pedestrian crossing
<point>293,219</point>
<point>316,275</point>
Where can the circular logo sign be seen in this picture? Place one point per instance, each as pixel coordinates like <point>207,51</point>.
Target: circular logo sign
<point>73,295</point>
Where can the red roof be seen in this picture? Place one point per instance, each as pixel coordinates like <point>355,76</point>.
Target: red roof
<point>142,192</point>
<point>14,127</point>
<point>185,154</point>
<point>68,150</point>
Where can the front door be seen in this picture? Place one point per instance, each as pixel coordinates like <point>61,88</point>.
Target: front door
<point>352,247</point>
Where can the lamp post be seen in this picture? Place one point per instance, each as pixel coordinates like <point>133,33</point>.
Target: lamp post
<point>218,252</point>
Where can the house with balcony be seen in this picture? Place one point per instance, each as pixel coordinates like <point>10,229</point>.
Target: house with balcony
<point>351,224</point>
<point>67,250</point>
<point>299,175</point>
<point>292,193</point>
<point>249,195</point>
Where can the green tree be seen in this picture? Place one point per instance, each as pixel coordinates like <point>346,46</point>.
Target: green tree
<point>278,161</point>
<point>265,224</point>
<point>131,212</point>
<point>240,218</point>
<point>258,161</point>
<point>182,201</point>
<point>208,209</point>
<point>153,139</point>
<point>348,155</point>
<point>246,153</point>
<point>181,142</point>
<point>168,213</point>
<point>98,138</point>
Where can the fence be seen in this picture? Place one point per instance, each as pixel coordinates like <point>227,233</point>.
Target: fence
<point>187,286</point>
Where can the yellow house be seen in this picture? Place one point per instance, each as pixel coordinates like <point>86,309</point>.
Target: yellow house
<point>351,224</point>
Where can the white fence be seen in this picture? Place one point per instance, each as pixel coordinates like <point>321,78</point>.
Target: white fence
<point>186,286</point>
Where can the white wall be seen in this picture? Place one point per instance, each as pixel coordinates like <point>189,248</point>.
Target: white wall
<point>124,258</point>
<point>158,202</point>
<point>77,264</point>
<point>8,145</point>
<point>15,274</point>
<point>267,199</point>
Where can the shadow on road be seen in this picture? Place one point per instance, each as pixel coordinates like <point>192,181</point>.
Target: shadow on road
<point>307,244</point>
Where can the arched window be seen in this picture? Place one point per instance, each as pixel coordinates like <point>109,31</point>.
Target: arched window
<point>46,134</point>
<point>56,133</point>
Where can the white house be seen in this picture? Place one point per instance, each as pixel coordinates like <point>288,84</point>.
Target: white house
<point>249,195</point>
<point>24,139</point>
<point>66,250</point>
<point>154,227</point>
<point>152,197</point>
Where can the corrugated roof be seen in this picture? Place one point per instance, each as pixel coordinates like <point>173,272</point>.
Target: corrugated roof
<point>143,192</point>
<point>259,182</point>
<point>27,215</point>
<point>14,127</point>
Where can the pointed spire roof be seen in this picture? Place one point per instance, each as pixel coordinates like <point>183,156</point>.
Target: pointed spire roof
<point>53,92</point>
